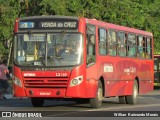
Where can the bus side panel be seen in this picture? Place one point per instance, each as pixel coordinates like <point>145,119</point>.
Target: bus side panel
<point>146,77</point>
<point>145,86</point>
<point>91,87</point>
<point>117,82</point>
<point>18,91</point>
<point>125,70</point>
<point>111,88</point>
<point>87,88</point>
<point>106,70</point>
<point>124,87</point>
<point>91,81</point>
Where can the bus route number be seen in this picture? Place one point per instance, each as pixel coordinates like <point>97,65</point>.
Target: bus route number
<point>61,74</point>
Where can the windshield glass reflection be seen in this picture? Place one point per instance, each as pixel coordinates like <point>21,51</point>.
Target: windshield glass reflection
<point>48,49</point>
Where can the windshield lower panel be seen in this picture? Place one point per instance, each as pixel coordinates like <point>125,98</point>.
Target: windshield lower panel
<point>55,49</point>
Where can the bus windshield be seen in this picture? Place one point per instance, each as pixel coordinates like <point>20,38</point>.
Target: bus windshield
<point>56,49</point>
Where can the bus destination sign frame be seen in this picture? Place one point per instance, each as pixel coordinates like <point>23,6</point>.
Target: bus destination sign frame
<point>51,24</point>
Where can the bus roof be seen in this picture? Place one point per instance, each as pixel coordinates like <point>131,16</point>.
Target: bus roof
<point>48,16</point>
<point>117,27</point>
<point>95,22</point>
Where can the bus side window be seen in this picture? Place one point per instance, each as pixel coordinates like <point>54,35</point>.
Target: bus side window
<point>102,41</point>
<point>131,45</point>
<point>141,45</point>
<point>112,43</point>
<point>148,51</point>
<point>90,37</point>
<point>121,49</point>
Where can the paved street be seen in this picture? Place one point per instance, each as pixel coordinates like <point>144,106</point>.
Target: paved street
<point>148,102</point>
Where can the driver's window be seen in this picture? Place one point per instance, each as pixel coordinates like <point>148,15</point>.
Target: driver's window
<point>20,49</point>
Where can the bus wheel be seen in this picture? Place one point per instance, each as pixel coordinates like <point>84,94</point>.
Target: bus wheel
<point>132,99</point>
<point>122,99</point>
<point>97,101</point>
<point>37,102</point>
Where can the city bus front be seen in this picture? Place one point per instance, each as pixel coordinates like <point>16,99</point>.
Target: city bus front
<point>48,64</point>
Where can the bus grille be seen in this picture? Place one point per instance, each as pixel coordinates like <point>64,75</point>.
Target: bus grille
<point>54,82</point>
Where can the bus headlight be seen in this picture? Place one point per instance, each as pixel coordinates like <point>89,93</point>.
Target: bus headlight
<point>76,81</point>
<point>17,81</point>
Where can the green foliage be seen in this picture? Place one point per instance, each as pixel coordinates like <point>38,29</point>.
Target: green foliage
<point>9,10</point>
<point>140,14</point>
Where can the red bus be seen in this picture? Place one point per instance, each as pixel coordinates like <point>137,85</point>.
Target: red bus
<point>157,70</point>
<point>81,59</point>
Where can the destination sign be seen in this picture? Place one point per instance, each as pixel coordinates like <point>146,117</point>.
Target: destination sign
<point>58,24</point>
<point>49,23</point>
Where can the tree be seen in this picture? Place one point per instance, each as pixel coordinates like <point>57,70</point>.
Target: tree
<point>140,14</point>
<point>8,12</point>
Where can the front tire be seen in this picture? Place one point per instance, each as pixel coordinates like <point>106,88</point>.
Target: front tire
<point>97,101</point>
<point>37,102</point>
<point>132,99</point>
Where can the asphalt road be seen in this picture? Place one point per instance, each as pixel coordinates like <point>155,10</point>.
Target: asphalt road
<point>111,107</point>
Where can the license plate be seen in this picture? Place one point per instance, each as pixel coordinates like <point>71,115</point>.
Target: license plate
<point>45,93</point>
